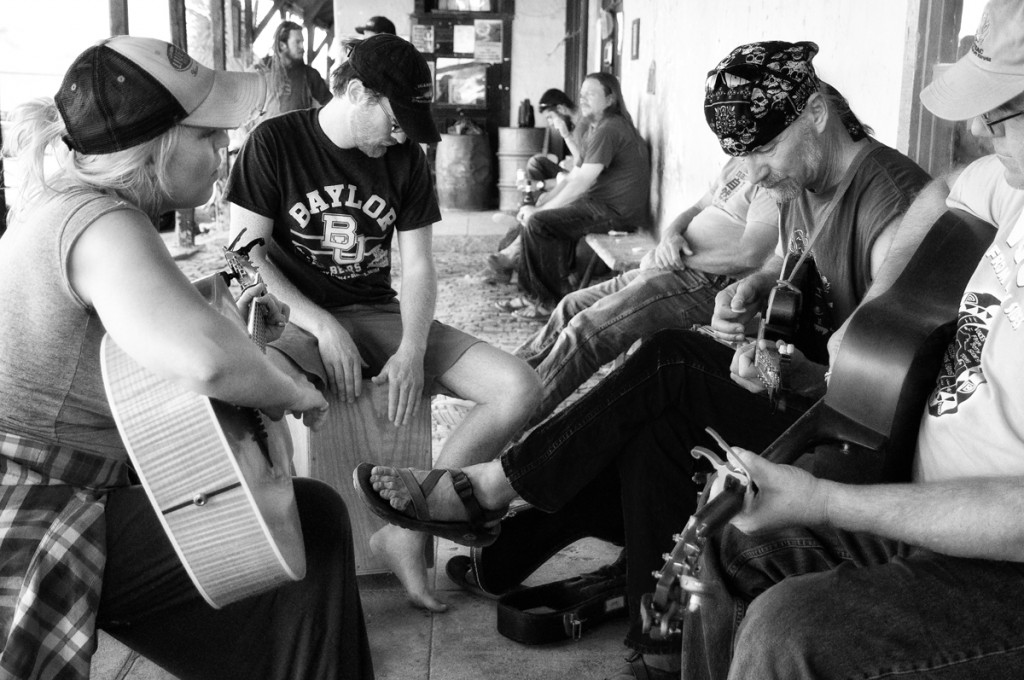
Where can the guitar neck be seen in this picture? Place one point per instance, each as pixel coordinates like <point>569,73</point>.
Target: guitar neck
<point>257,325</point>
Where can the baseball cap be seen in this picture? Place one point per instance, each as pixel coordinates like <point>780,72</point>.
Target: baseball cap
<point>990,74</point>
<point>393,67</point>
<point>127,90</point>
<point>377,25</point>
<point>552,99</point>
<point>757,91</point>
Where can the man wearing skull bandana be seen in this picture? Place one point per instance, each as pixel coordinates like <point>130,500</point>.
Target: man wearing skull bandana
<point>623,450</point>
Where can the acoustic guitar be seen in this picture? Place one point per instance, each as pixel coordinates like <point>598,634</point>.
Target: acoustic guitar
<point>865,427</point>
<point>219,476</point>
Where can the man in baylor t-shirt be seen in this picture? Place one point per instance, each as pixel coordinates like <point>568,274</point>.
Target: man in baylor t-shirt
<point>326,189</point>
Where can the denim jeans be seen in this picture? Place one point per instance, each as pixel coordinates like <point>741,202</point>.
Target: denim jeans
<point>549,246</point>
<point>593,326</point>
<point>801,604</point>
<point>639,425</point>
<point>541,167</point>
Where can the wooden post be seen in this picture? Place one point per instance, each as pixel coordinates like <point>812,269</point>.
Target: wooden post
<point>247,29</point>
<point>118,17</point>
<point>185,220</point>
<point>3,188</point>
<point>217,27</point>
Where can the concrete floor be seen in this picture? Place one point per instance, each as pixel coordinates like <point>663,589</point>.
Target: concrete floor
<point>463,643</point>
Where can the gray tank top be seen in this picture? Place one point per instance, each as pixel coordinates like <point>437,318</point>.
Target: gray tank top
<point>51,389</point>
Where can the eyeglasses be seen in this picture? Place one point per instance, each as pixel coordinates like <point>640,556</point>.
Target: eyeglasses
<point>395,127</point>
<point>991,124</point>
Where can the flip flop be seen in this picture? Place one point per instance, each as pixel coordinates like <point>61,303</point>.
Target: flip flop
<point>473,533</point>
<point>511,305</point>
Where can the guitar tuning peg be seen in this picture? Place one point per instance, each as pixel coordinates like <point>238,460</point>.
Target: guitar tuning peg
<point>666,556</point>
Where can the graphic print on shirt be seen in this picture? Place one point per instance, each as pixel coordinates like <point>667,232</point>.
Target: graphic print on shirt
<point>340,243</point>
<point>730,187</point>
<point>961,373</point>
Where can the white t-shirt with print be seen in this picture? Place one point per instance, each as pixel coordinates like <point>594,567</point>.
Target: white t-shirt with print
<point>973,424</point>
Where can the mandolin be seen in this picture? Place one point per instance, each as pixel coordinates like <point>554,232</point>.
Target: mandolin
<point>784,320</point>
<point>218,475</point>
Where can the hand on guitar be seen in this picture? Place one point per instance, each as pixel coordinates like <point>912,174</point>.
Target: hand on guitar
<point>308,404</point>
<point>805,377</point>
<point>786,496</point>
<point>276,313</point>
<point>735,306</point>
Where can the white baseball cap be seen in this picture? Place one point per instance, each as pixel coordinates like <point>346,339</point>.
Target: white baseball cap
<point>990,74</point>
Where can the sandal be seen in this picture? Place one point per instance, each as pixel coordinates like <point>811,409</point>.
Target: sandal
<point>513,304</point>
<point>479,530</point>
<point>637,669</point>
<point>532,313</point>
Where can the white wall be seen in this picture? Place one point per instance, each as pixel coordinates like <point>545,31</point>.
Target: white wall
<point>538,52</point>
<point>862,45</point>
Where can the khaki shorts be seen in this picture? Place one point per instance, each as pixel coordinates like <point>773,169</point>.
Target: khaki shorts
<point>377,332</point>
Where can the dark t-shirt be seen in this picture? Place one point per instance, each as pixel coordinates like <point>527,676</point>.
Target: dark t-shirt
<point>300,87</point>
<point>625,182</point>
<point>334,210</point>
<point>881,188</point>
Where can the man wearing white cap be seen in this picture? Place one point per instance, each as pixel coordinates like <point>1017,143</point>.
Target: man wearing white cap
<point>918,580</point>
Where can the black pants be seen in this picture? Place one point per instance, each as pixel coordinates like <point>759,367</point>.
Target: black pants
<point>309,630</point>
<point>631,437</point>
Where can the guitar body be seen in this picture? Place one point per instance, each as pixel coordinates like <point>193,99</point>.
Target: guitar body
<point>890,355</point>
<point>218,476</point>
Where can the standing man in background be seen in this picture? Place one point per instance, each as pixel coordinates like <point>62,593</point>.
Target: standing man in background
<point>291,83</point>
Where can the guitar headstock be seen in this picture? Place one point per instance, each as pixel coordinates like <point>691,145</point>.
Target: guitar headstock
<point>679,588</point>
<point>241,267</point>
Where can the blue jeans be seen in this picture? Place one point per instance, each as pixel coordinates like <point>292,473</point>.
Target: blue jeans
<point>549,246</point>
<point>801,604</point>
<point>631,438</point>
<point>593,326</point>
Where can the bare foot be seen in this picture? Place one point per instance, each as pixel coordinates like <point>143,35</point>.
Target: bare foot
<point>443,503</point>
<point>402,551</point>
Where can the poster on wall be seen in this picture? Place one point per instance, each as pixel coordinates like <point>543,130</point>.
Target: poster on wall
<point>423,38</point>
<point>488,40</point>
<point>463,38</point>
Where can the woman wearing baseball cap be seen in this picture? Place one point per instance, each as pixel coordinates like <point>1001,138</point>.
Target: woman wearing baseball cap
<point>134,131</point>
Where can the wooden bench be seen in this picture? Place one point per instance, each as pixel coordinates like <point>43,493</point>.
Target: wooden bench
<point>355,433</point>
<point>621,251</point>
